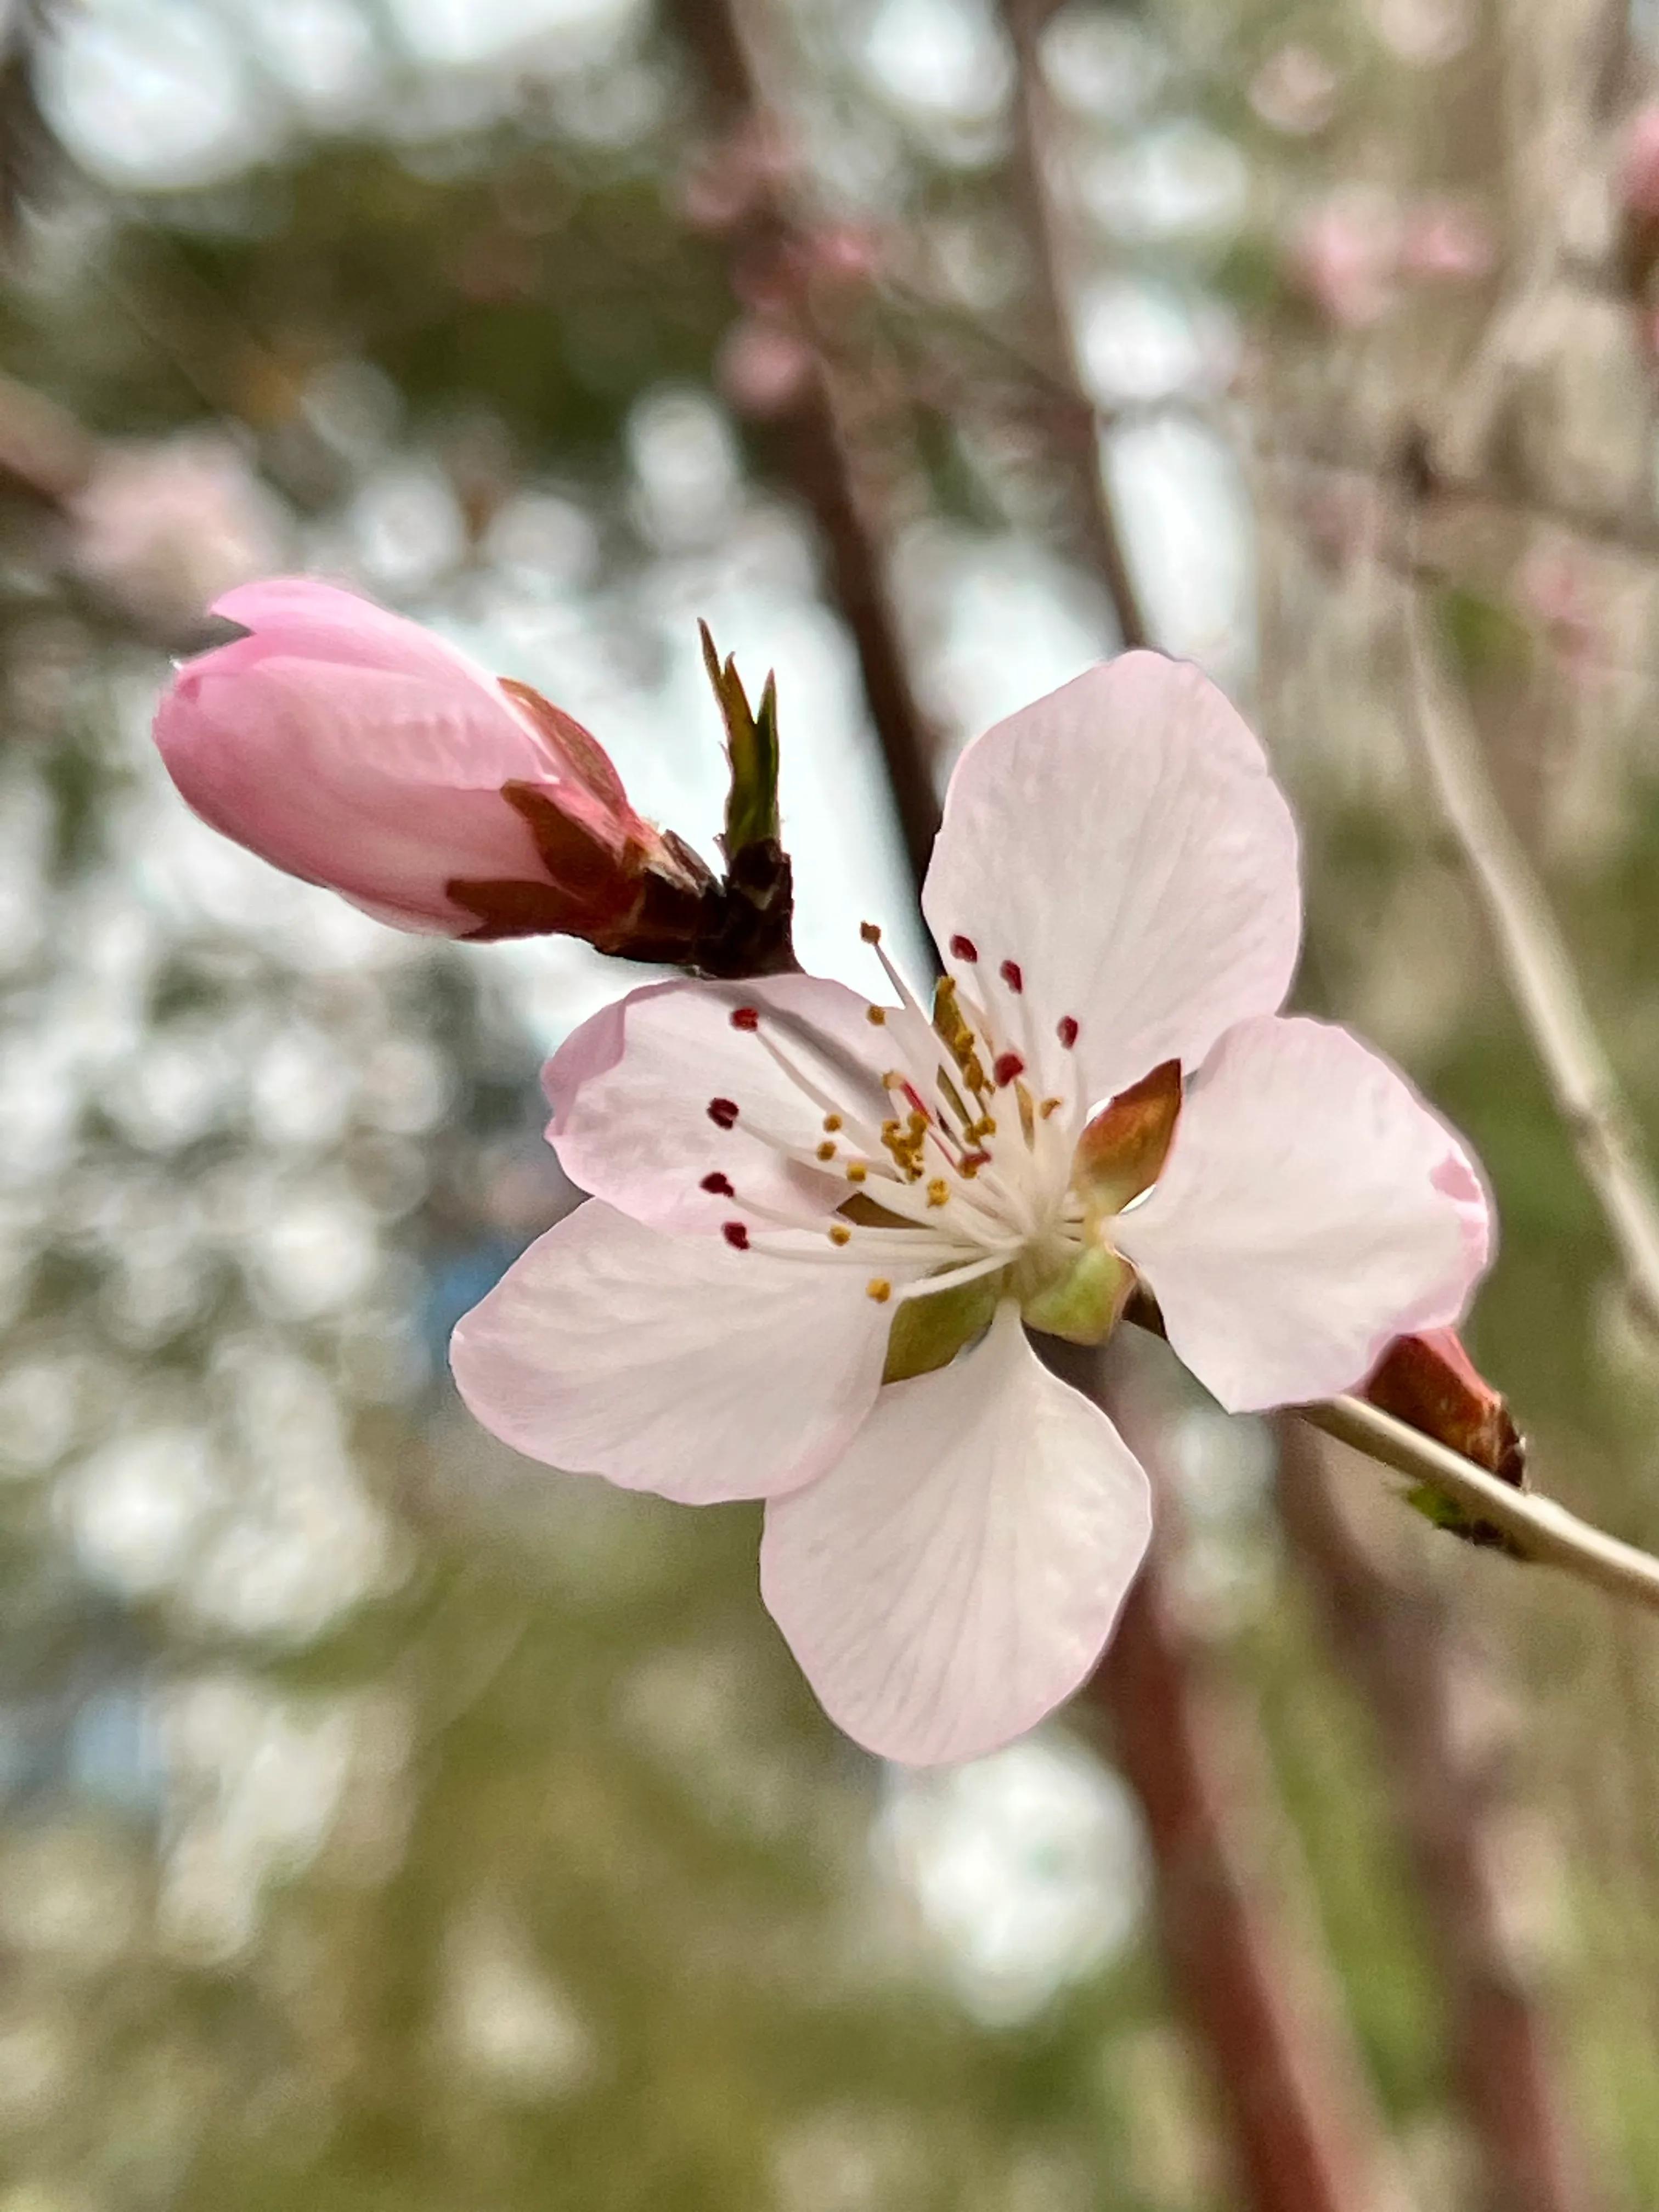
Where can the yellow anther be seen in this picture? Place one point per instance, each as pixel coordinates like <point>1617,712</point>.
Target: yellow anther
<point>827,1150</point>
<point>880,1289</point>
<point>917,1123</point>
<point>1049,1106</point>
<point>876,1015</point>
<point>891,1130</point>
<point>856,1171</point>
<point>832,1123</point>
<point>939,1191</point>
<point>870,932</point>
<point>894,1079</point>
<point>840,1233</point>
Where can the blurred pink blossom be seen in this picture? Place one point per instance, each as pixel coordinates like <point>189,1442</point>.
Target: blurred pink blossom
<point>163,526</point>
<point>763,368</point>
<point>1637,181</point>
<point>737,179</point>
<point>1295,90</point>
<point>844,253</point>
<point>1426,34</point>
<point>1342,517</point>
<point>821,1224</point>
<point>1345,257</point>
<point>1447,241</point>
<point>1554,587</point>
<point>356,749</point>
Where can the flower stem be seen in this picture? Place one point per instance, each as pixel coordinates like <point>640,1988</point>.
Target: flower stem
<point>1539,1529</point>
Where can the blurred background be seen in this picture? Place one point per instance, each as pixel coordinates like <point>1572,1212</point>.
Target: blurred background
<point>386,1822</point>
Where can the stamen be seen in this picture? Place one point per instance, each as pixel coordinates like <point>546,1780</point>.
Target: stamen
<point>964,948</point>
<point>1066,1031</point>
<point>821,1098</point>
<point>870,932</point>
<point>857,1172</point>
<point>1011,975</point>
<point>1008,1066</point>
<point>951,1279</point>
<point>939,1192</point>
<point>1027,1113</point>
<point>745,1018</point>
<point>827,1150</point>
<point>723,1112</point>
<point>880,1289</point>
<point>719,1184</point>
<point>840,1233</point>
<point>1050,1106</point>
<point>735,1235</point>
<point>876,1016</point>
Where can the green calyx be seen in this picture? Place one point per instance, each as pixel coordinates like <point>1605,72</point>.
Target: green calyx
<point>929,1332</point>
<point>1086,1303</point>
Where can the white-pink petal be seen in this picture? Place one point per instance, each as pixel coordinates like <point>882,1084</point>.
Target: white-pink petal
<point>958,1572</point>
<point>1311,1209</point>
<point>1123,843</point>
<point>672,1364</point>
<point>640,1097</point>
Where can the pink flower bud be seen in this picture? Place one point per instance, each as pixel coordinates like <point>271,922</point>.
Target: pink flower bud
<point>162,527</point>
<point>1638,180</point>
<point>356,749</point>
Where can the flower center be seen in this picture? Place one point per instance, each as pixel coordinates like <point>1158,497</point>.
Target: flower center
<point>955,1164</point>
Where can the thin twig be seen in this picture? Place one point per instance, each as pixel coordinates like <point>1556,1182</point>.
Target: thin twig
<point>1540,1529</point>
<point>1540,972</point>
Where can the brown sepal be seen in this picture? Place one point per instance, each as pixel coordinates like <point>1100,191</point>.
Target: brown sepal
<point>576,747</point>
<point>599,880</point>
<point>1122,1150</point>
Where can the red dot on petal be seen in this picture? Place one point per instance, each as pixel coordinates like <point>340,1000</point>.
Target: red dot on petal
<point>719,1184</point>
<point>1008,1065</point>
<point>723,1112</point>
<point>1011,975</point>
<point>735,1235</point>
<point>964,948</point>
<point>745,1018</point>
<point>1066,1031</point>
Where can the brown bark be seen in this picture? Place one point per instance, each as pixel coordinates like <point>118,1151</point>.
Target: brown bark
<point>1399,1642</point>
<point>1072,420</point>
<point>1257,1993</point>
<point>810,441</point>
<point>1236,1911</point>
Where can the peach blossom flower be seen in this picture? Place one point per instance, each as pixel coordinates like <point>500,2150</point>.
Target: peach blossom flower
<point>821,1226</point>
